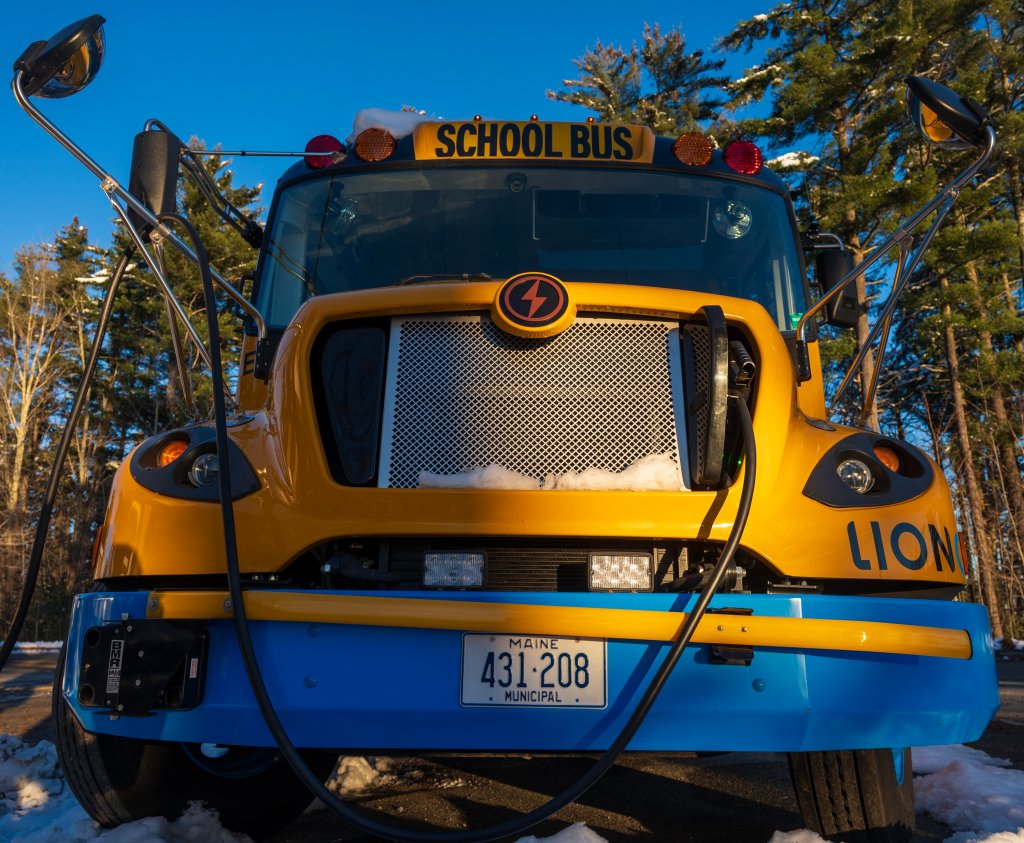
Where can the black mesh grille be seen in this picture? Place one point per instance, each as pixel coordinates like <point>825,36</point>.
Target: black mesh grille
<point>700,407</point>
<point>464,394</point>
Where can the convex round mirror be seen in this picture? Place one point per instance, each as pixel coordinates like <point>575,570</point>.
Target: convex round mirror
<point>66,63</point>
<point>943,117</point>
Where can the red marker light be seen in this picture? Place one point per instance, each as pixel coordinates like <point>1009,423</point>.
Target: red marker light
<point>743,157</point>
<point>374,145</point>
<point>323,143</point>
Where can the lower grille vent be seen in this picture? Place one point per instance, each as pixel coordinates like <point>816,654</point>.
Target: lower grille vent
<point>529,567</point>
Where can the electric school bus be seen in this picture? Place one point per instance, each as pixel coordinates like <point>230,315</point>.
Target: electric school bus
<point>529,451</point>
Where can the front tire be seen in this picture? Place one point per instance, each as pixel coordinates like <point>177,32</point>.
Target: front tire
<point>118,780</point>
<point>858,795</point>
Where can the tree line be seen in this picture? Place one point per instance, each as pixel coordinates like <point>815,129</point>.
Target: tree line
<point>830,84</point>
<point>49,305</point>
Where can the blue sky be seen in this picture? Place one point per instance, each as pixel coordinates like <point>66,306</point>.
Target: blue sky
<point>270,75</point>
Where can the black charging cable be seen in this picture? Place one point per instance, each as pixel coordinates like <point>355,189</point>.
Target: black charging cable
<point>46,510</point>
<point>287,748</point>
<point>266,706</point>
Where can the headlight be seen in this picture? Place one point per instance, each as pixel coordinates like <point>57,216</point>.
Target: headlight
<point>866,469</point>
<point>857,475</point>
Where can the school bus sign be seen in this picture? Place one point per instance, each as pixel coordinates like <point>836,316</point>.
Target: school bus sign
<point>534,140</point>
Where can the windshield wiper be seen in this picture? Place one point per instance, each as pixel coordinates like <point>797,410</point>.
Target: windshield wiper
<point>444,276</point>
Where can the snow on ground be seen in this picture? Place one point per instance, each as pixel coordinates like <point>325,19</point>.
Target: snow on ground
<point>653,473</point>
<point>37,807</point>
<point>37,646</point>
<point>976,795</point>
<point>576,833</point>
<point>980,797</point>
<point>971,792</point>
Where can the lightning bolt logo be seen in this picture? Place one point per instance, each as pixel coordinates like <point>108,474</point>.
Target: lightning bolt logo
<point>533,304</point>
<point>535,299</point>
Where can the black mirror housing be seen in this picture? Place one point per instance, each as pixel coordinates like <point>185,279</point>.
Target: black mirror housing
<point>154,174</point>
<point>66,63</point>
<point>830,267</point>
<point>943,117</point>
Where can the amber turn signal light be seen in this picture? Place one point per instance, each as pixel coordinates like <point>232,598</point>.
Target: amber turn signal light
<point>170,452</point>
<point>888,457</point>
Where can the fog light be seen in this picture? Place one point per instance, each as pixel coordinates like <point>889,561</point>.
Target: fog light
<point>453,570</point>
<point>625,572</point>
<point>857,475</point>
<point>204,470</point>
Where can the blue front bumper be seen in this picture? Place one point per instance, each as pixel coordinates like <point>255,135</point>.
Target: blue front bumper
<point>385,688</point>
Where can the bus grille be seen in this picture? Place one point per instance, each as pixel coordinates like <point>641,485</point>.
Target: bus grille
<point>462,394</point>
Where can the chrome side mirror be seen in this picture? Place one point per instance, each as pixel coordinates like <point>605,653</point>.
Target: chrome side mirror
<point>66,63</point>
<point>943,117</point>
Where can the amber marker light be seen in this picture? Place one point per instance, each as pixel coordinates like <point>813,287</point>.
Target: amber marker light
<point>693,148</point>
<point>374,145</point>
<point>170,452</point>
<point>888,457</point>
<point>744,157</point>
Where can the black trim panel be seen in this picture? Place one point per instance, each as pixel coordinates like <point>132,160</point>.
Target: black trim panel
<point>172,480</point>
<point>914,478</point>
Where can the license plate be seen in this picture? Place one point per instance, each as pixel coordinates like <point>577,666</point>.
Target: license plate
<point>521,670</point>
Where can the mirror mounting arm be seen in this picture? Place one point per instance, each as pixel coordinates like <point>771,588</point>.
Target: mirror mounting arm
<point>114,188</point>
<point>941,202</point>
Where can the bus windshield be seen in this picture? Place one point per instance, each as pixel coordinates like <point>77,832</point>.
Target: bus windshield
<point>347,232</point>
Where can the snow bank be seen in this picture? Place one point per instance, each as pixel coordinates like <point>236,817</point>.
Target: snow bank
<point>37,807</point>
<point>356,774</point>
<point>1000,837</point>
<point>576,833</point>
<point>653,473</point>
<point>981,798</point>
<point>931,759</point>
<point>800,836</point>
<point>970,792</point>
<point>397,123</point>
<point>976,795</point>
<point>1008,644</point>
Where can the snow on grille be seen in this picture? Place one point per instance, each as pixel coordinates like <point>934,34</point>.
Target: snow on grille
<point>462,394</point>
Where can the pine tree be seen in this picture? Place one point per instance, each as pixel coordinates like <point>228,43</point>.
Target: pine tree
<point>656,84</point>
<point>834,77</point>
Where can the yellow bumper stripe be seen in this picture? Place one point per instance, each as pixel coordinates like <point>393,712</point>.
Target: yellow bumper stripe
<point>568,621</point>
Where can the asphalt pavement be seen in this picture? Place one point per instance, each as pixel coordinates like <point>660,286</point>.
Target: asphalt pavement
<point>720,799</point>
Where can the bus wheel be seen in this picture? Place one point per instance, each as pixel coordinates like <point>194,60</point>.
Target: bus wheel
<point>858,795</point>
<point>118,780</point>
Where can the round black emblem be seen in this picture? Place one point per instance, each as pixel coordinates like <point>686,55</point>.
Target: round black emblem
<point>533,300</point>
